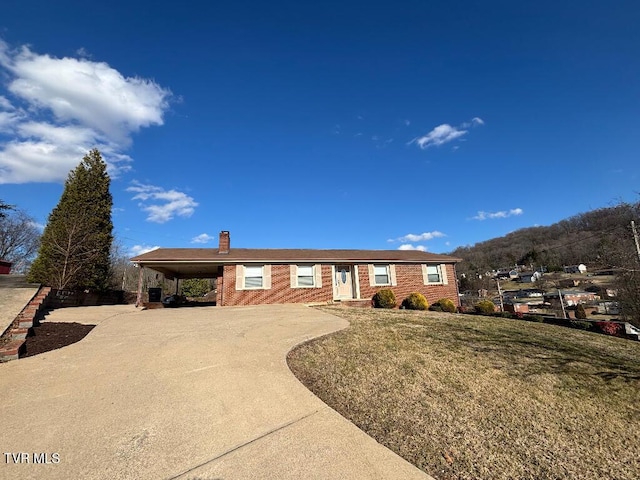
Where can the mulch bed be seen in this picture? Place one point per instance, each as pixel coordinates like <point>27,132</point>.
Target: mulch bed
<point>51,336</point>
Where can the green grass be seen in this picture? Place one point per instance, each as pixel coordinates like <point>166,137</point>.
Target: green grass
<point>469,397</point>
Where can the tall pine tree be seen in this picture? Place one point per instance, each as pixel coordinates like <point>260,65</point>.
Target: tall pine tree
<point>75,245</point>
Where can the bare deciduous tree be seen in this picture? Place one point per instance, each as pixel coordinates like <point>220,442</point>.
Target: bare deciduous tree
<point>19,239</point>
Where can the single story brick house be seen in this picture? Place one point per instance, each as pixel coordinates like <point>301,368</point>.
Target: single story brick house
<point>248,276</point>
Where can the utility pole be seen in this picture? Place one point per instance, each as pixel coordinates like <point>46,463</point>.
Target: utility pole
<point>564,313</point>
<point>635,237</point>
<point>500,295</point>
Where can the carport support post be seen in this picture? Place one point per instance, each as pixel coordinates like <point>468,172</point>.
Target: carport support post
<point>139,295</point>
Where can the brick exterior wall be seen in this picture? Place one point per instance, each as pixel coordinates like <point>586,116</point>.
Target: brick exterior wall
<point>408,278</point>
<point>280,291</point>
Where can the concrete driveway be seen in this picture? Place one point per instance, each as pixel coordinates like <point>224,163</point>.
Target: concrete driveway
<point>191,393</point>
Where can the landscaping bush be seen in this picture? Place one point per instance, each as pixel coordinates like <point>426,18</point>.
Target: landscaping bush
<point>580,325</point>
<point>415,301</point>
<point>444,305</point>
<point>533,318</point>
<point>610,328</point>
<point>384,298</point>
<point>485,307</point>
<point>580,312</point>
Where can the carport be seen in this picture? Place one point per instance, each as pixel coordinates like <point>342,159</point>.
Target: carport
<point>179,264</point>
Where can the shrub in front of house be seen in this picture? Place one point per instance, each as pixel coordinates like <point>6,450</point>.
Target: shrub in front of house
<point>415,301</point>
<point>445,305</point>
<point>384,298</point>
<point>580,312</point>
<point>485,307</point>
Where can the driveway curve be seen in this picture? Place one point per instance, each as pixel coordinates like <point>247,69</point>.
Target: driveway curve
<point>191,393</point>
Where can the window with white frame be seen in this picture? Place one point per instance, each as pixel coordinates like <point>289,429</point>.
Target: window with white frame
<point>253,277</point>
<point>433,274</point>
<point>305,276</point>
<point>381,275</point>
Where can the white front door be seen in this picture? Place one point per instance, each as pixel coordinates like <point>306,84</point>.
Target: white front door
<point>343,282</point>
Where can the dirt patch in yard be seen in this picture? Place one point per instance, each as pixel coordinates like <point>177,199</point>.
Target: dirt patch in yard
<point>51,336</point>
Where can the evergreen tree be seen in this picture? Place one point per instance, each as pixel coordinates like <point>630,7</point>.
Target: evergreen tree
<point>75,244</point>
<point>3,208</point>
<point>581,314</point>
<point>196,287</point>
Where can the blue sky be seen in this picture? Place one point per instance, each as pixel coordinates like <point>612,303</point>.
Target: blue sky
<point>374,125</point>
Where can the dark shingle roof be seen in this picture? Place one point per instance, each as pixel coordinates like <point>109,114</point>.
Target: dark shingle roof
<point>239,255</point>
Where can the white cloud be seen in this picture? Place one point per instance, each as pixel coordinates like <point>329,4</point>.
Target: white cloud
<point>140,249</point>
<point>475,121</point>
<point>37,225</point>
<point>445,133</point>
<point>501,214</point>
<point>82,52</point>
<point>70,106</point>
<point>420,237</point>
<point>166,203</point>
<point>8,120</point>
<point>5,104</point>
<point>438,136</point>
<point>408,246</point>
<point>202,238</point>
<point>29,161</point>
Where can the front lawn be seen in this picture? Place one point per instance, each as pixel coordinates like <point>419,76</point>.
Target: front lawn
<point>470,397</point>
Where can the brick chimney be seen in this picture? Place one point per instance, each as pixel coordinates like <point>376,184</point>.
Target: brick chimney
<point>224,242</point>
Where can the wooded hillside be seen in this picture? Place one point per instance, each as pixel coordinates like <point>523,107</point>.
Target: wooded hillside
<point>600,239</point>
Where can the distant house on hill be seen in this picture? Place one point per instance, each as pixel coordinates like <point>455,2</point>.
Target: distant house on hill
<point>507,274</point>
<point>609,308</point>
<point>529,277</point>
<point>570,297</point>
<point>580,268</point>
